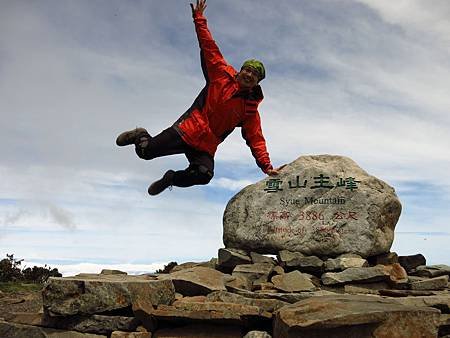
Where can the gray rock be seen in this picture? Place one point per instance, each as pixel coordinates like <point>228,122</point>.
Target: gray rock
<point>433,270</point>
<point>213,312</point>
<point>285,297</point>
<point>263,286</point>
<point>254,272</point>
<point>311,264</point>
<point>341,263</point>
<point>412,261</point>
<point>405,293</point>
<point>269,305</point>
<point>441,302</point>
<point>238,282</point>
<point>341,209</point>
<point>257,334</point>
<point>444,328</point>
<point>91,294</point>
<point>437,283</point>
<point>124,334</point>
<point>365,288</point>
<point>385,259</point>
<point>14,330</point>
<point>286,256</point>
<point>353,275</point>
<point>258,258</point>
<point>354,316</point>
<point>142,311</point>
<point>196,281</point>
<point>349,255</point>
<point>229,258</point>
<point>26,318</point>
<point>293,281</point>
<point>188,265</point>
<point>98,324</point>
<point>358,290</point>
<point>298,261</point>
<point>278,270</point>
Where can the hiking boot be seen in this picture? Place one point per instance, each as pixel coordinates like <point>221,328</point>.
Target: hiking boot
<point>129,137</point>
<point>162,184</point>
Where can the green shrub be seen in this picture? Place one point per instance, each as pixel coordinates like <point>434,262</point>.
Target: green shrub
<point>10,271</point>
<point>167,268</point>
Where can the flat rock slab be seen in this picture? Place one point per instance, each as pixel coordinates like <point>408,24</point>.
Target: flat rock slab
<point>196,281</point>
<point>342,263</point>
<point>91,294</point>
<point>214,312</point>
<point>229,258</point>
<point>404,293</point>
<point>358,290</point>
<point>258,258</point>
<point>98,324</point>
<point>14,330</point>
<point>294,281</point>
<point>437,283</point>
<point>253,272</point>
<point>212,263</point>
<point>26,318</point>
<point>432,270</point>
<point>356,275</point>
<point>320,205</point>
<point>354,316</point>
<point>125,334</point>
<point>441,302</point>
<point>291,297</point>
<point>311,264</point>
<point>269,305</point>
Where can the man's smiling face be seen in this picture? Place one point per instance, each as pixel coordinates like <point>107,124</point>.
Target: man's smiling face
<point>247,77</point>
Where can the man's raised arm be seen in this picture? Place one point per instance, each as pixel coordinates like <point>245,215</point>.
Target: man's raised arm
<point>212,59</point>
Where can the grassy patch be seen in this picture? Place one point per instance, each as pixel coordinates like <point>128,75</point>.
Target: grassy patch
<point>17,286</point>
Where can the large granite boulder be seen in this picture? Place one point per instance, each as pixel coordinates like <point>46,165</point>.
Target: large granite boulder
<point>319,205</point>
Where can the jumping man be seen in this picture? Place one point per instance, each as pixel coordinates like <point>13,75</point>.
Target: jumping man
<point>229,99</point>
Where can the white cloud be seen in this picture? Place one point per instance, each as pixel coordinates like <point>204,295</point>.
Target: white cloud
<point>424,16</point>
<point>230,184</point>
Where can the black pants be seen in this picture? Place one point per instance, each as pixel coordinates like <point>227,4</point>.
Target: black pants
<point>169,142</point>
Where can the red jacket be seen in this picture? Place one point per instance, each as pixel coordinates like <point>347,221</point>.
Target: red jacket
<point>220,107</point>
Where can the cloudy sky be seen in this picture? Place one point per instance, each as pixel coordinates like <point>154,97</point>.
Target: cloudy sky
<point>368,79</point>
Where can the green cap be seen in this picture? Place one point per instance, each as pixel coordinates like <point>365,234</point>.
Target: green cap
<point>255,64</point>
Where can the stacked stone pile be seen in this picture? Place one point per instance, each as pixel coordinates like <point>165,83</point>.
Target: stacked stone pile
<point>246,294</point>
<point>307,254</point>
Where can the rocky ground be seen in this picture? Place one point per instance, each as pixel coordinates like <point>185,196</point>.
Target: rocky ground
<point>22,301</point>
<point>242,294</point>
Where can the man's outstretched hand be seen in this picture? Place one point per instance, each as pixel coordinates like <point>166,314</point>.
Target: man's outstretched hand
<point>199,7</point>
<point>275,171</point>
